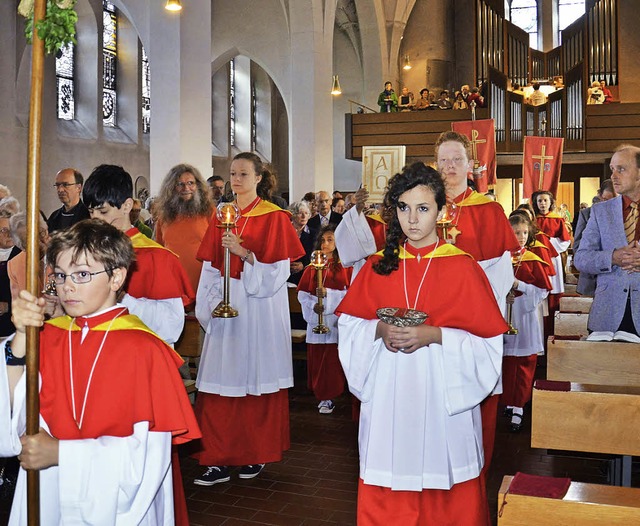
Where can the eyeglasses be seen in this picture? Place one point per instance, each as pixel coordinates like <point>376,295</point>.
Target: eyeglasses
<point>190,184</point>
<point>79,277</point>
<point>63,185</point>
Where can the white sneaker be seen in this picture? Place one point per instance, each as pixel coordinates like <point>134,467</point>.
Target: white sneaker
<point>326,407</point>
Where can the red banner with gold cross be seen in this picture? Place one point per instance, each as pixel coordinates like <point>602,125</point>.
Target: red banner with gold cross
<point>482,135</point>
<point>541,164</point>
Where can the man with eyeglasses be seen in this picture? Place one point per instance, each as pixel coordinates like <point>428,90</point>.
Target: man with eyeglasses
<point>68,185</point>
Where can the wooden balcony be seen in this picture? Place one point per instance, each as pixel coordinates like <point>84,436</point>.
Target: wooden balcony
<point>604,127</point>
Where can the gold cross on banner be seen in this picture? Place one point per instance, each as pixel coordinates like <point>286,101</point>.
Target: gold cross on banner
<point>542,158</point>
<point>474,142</point>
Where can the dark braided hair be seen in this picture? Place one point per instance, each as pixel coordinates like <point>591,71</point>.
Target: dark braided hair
<point>418,174</point>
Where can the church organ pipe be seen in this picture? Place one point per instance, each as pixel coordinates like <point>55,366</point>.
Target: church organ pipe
<point>602,41</point>
<point>613,45</point>
<point>556,118</point>
<point>516,121</point>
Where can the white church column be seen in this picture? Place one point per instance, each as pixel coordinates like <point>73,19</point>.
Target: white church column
<point>180,58</point>
<point>311,108</point>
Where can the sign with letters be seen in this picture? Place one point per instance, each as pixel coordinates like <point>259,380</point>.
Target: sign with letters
<point>379,164</point>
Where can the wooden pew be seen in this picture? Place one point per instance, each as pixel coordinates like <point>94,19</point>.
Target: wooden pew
<point>570,324</point>
<point>298,336</point>
<point>584,505</point>
<point>189,346</point>
<point>606,363</point>
<point>589,418</point>
<point>576,304</point>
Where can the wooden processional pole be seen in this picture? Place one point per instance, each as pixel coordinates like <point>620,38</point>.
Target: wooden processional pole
<point>33,252</point>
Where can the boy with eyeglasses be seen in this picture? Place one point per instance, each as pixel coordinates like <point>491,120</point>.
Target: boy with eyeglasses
<point>111,399</point>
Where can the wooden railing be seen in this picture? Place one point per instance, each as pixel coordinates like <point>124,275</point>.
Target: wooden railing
<point>598,130</point>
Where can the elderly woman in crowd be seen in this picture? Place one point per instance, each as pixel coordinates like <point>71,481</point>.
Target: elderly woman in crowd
<point>300,215</point>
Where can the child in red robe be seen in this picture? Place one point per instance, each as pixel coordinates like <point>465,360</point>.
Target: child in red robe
<point>420,433</point>
<point>555,235</point>
<point>111,399</point>
<point>553,225</point>
<point>158,287</point>
<point>530,288</point>
<point>324,372</point>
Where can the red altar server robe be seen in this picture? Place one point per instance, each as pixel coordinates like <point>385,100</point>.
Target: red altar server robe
<point>420,418</point>
<point>324,372</point>
<point>157,287</point>
<point>115,452</point>
<point>521,350</point>
<point>246,365</point>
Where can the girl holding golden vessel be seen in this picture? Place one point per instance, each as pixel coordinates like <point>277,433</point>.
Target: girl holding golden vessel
<point>325,376</point>
<point>245,370</point>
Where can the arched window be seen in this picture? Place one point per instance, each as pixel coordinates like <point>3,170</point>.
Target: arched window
<point>109,56</point>
<point>232,102</point>
<point>568,12</point>
<point>524,14</point>
<point>64,83</point>
<point>146,92</point>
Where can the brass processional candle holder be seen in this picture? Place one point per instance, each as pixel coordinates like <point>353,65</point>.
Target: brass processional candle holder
<point>319,261</point>
<point>228,215</point>
<point>449,212</point>
<point>516,259</point>
<point>50,287</point>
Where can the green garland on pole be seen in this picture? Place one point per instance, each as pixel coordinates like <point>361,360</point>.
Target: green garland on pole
<point>57,29</point>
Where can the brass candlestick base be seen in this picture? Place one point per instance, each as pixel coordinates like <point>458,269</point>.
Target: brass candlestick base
<point>224,310</point>
<point>511,330</point>
<point>320,329</point>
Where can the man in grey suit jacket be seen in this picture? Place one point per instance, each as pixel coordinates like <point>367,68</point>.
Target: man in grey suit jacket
<point>587,282</point>
<point>606,252</point>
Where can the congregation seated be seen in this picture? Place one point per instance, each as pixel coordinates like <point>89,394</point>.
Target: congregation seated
<point>444,102</point>
<point>424,101</point>
<point>608,96</point>
<point>405,101</point>
<point>460,103</point>
<point>476,97</point>
<point>300,215</point>
<point>595,94</point>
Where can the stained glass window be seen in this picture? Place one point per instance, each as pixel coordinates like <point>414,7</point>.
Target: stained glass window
<point>568,12</point>
<point>146,93</point>
<point>254,114</point>
<point>524,14</point>
<point>64,83</point>
<point>232,102</point>
<point>109,55</point>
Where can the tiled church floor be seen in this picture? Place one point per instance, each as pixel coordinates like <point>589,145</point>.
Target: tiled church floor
<point>315,484</point>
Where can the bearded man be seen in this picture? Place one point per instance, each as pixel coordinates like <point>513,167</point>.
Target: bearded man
<point>184,211</point>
